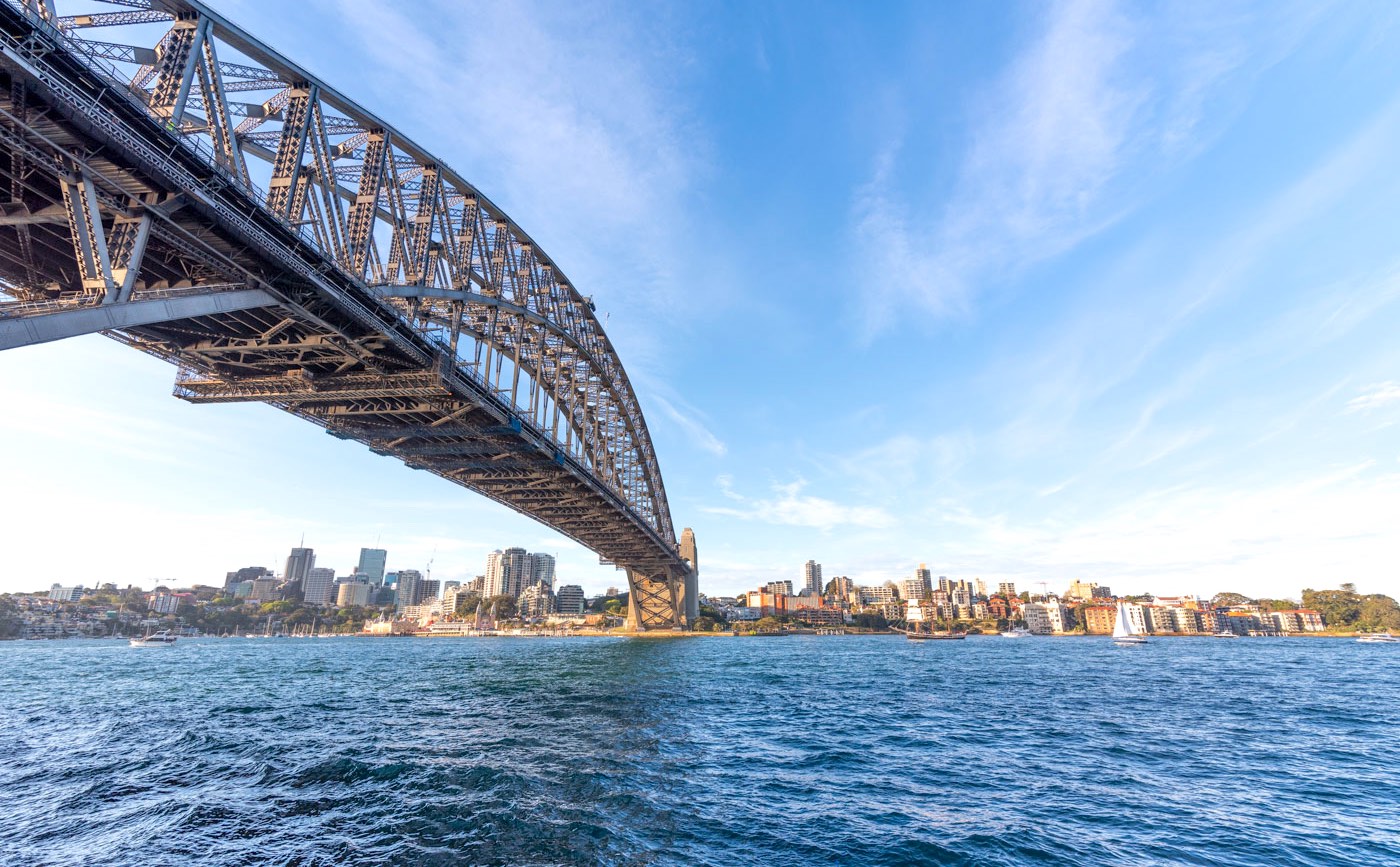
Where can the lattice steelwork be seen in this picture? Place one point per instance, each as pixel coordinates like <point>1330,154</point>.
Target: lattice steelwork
<point>179,185</point>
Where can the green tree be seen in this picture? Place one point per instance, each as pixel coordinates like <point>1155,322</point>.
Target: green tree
<point>1228,600</point>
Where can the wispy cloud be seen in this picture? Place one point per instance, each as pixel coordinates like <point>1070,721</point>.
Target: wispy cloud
<point>689,421</point>
<point>790,507</point>
<point>1378,396</point>
<point>1063,145</point>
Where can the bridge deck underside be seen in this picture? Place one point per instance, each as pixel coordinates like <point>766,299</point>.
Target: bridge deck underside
<point>342,358</point>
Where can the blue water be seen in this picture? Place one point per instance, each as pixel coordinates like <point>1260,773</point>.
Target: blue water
<point>774,751</point>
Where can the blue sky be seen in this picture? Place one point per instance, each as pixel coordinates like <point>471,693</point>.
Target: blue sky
<point>1027,292</point>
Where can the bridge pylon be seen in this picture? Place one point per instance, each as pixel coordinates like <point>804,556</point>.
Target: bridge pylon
<point>668,599</point>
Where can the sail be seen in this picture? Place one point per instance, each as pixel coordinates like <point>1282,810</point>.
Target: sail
<point>915,614</point>
<point>1121,627</point>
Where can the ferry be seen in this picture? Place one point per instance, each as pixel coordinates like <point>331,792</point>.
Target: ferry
<point>164,638</point>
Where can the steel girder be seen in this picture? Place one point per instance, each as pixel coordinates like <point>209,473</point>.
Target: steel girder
<point>377,260</point>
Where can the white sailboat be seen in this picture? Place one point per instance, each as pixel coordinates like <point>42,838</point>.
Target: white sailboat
<point>1124,630</point>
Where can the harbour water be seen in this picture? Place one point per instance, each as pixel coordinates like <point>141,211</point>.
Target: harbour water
<point>799,750</point>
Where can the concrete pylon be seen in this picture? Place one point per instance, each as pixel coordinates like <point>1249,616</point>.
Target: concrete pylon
<point>690,587</point>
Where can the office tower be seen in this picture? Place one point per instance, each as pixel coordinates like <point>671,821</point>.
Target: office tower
<point>247,573</point>
<point>428,590</point>
<point>299,564</point>
<point>409,591</point>
<point>318,586</point>
<point>353,595</point>
<point>812,577</point>
<point>371,564</point>
<point>569,599</point>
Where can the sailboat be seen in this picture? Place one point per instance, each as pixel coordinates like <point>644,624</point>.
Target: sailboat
<point>1124,630</point>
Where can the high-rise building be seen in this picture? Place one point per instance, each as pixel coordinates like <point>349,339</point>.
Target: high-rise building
<point>944,584</point>
<point>428,590</point>
<point>317,588</point>
<point>353,595</point>
<point>778,588</point>
<point>409,590</point>
<point>921,585</point>
<point>247,573</point>
<point>569,599</point>
<point>541,569</point>
<point>371,564</point>
<point>507,572</point>
<point>812,577</point>
<point>299,564</point>
<point>1007,589</point>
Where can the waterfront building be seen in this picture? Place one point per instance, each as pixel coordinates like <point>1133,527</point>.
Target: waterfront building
<point>998,608</point>
<point>247,573</point>
<point>353,595</point>
<point>371,564</point>
<point>1158,619</point>
<point>299,564</point>
<point>812,577</point>
<point>318,586</point>
<point>1184,621</point>
<point>569,599</point>
<point>768,603</point>
<point>1046,618</point>
<point>1099,619</point>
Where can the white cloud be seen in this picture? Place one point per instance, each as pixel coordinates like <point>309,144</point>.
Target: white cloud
<point>1378,396</point>
<point>790,507</point>
<point>1099,106</point>
<point>700,435</point>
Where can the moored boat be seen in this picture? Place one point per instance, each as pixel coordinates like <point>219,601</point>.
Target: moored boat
<point>1018,632</point>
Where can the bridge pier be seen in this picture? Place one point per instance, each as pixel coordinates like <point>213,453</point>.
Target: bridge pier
<point>668,599</point>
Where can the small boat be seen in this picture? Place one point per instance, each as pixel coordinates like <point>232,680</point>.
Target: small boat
<point>1125,631</point>
<point>1379,638</point>
<point>164,638</point>
<point>1225,635</point>
<point>935,636</point>
<point>1018,632</point>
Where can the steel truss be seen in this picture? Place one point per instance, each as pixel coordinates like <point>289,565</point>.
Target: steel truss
<point>288,246</point>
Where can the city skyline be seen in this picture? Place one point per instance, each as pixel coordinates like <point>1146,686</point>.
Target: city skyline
<point>1108,296</point>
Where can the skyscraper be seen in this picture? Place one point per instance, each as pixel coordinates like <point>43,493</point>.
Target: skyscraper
<point>541,570</point>
<point>509,571</point>
<point>299,564</point>
<point>317,588</point>
<point>410,590</point>
<point>812,575</point>
<point>371,564</point>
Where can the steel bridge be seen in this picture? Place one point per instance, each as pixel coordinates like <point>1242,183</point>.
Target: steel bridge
<point>168,180</point>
